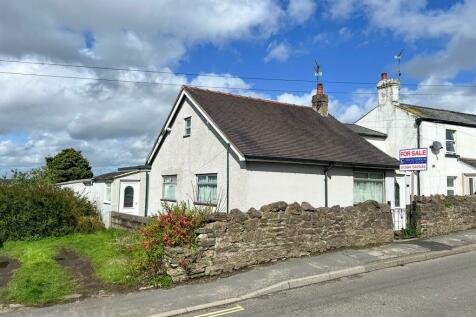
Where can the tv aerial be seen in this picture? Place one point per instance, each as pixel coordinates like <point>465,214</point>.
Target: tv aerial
<point>398,58</point>
<point>317,71</point>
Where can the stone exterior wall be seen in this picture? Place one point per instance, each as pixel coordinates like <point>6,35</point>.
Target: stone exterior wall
<point>277,231</point>
<point>127,222</point>
<point>438,214</point>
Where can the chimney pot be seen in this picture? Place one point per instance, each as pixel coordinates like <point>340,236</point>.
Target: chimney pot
<point>320,89</point>
<point>383,76</point>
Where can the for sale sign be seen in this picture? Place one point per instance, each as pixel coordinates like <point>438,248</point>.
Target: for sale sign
<point>414,159</point>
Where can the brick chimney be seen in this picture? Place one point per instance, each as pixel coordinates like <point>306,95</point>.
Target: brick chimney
<point>388,91</point>
<point>320,101</point>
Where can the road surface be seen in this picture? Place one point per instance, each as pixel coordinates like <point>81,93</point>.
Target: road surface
<point>442,287</point>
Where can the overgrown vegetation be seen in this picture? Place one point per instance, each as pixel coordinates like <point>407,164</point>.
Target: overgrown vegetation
<point>175,227</point>
<point>40,280</point>
<point>32,207</point>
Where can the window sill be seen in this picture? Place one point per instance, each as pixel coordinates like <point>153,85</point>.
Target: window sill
<point>451,155</point>
<point>197,203</point>
<point>169,200</point>
<point>186,136</point>
<point>107,202</point>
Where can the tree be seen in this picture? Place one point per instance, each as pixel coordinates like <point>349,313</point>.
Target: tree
<point>68,165</point>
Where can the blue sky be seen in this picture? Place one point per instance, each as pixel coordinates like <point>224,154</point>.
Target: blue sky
<point>115,124</point>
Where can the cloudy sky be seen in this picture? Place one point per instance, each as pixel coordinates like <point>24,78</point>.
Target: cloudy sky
<point>216,43</point>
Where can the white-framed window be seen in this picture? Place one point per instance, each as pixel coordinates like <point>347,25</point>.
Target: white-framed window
<point>207,188</point>
<point>188,126</point>
<point>369,186</point>
<point>169,187</point>
<point>450,185</point>
<point>107,193</point>
<point>450,141</point>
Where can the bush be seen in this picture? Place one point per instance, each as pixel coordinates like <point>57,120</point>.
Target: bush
<point>36,209</point>
<point>175,227</point>
<point>89,224</point>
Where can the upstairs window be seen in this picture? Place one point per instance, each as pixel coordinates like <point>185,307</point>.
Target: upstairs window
<point>368,186</point>
<point>107,194</point>
<point>450,141</point>
<point>450,184</point>
<point>207,188</point>
<point>188,126</point>
<point>169,187</point>
<point>128,197</point>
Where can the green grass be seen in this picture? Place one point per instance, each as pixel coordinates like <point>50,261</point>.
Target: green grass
<point>40,280</point>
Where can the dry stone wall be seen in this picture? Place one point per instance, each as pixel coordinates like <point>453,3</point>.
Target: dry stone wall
<point>127,222</point>
<point>439,214</point>
<point>277,231</point>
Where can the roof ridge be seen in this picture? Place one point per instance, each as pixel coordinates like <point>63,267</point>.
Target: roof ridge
<point>439,109</point>
<point>246,97</point>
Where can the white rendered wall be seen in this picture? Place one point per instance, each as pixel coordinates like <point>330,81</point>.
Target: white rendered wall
<point>439,166</point>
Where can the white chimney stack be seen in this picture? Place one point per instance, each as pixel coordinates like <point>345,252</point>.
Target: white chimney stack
<point>388,91</point>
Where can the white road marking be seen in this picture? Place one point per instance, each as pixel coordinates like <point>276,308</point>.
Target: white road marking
<point>227,311</point>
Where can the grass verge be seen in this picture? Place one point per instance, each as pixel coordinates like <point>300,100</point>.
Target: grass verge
<point>40,280</point>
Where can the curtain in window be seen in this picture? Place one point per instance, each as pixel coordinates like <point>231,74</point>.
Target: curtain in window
<point>207,188</point>
<point>169,187</point>
<point>368,190</point>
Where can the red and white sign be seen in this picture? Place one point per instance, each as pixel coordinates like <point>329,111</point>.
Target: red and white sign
<point>414,159</point>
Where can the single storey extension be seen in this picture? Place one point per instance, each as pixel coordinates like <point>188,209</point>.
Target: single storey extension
<point>231,151</point>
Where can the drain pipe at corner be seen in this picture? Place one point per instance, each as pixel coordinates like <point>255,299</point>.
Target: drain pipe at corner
<point>326,185</point>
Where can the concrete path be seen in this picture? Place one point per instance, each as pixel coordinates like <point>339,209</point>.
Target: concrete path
<point>262,279</point>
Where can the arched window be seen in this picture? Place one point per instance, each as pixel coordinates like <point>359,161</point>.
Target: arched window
<point>397,195</point>
<point>128,196</point>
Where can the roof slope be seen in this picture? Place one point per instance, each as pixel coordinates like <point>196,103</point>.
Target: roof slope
<point>469,161</point>
<point>440,115</point>
<point>109,176</point>
<point>264,129</point>
<point>360,130</point>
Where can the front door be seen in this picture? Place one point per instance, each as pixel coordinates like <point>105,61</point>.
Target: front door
<point>129,197</point>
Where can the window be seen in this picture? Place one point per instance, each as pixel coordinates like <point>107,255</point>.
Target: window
<point>471,186</point>
<point>450,141</point>
<point>188,126</point>
<point>128,197</point>
<point>169,187</point>
<point>107,194</point>
<point>207,188</point>
<point>368,186</point>
<point>397,195</point>
<point>450,184</point>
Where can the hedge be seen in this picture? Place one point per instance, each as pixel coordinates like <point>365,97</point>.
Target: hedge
<point>31,210</point>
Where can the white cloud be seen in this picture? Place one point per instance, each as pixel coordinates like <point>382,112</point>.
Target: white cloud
<point>301,10</point>
<point>278,51</point>
<point>154,33</point>
<point>412,20</point>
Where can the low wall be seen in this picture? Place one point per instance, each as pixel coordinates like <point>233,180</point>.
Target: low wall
<point>229,242</point>
<point>438,214</point>
<point>128,222</point>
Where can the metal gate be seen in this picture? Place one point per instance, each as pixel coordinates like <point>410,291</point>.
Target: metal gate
<point>399,218</point>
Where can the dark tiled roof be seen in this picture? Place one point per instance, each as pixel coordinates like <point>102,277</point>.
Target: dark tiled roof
<point>264,129</point>
<point>137,167</point>
<point>469,161</point>
<point>109,176</point>
<point>442,115</point>
<point>360,130</point>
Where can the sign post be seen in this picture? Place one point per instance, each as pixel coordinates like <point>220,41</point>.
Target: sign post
<point>412,160</point>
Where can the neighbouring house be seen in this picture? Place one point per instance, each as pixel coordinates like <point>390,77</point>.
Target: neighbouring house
<point>231,151</point>
<point>124,190</point>
<point>449,136</point>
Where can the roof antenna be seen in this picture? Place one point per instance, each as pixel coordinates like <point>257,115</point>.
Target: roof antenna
<point>317,71</point>
<point>398,57</point>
